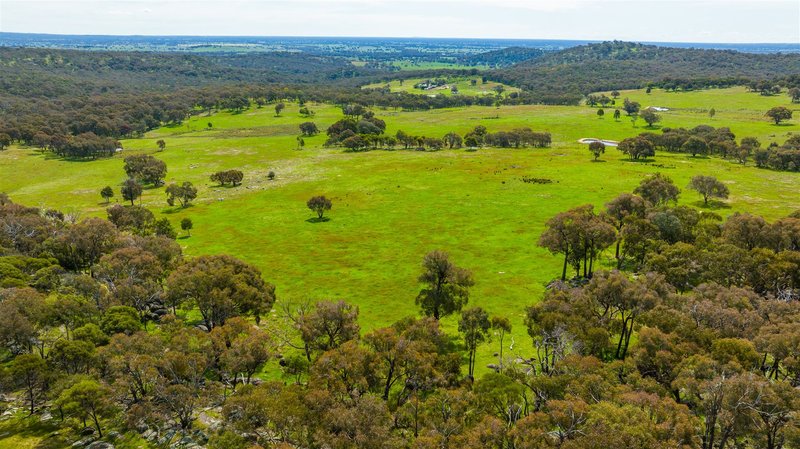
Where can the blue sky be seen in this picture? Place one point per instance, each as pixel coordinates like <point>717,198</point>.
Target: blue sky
<point>639,20</point>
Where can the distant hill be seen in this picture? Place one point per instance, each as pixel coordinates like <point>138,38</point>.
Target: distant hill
<point>504,57</point>
<point>624,65</point>
<point>35,72</point>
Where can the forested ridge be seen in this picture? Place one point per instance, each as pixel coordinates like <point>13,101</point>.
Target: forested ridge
<point>623,65</point>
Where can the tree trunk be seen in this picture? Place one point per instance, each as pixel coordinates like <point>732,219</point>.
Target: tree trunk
<point>30,396</point>
<point>97,425</point>
<point>388,386</point>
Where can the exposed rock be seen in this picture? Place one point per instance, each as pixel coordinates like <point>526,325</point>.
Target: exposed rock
<point>167,437</point>
<point>100,445</point>
<point>82,442</point>
<point>210,422</point>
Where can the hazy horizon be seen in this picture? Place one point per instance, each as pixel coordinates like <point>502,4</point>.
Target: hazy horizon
<point>309,36</point>
<point>667,21</point>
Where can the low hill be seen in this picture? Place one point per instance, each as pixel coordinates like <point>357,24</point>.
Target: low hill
<point>625,65</point>
<point>504,57</point>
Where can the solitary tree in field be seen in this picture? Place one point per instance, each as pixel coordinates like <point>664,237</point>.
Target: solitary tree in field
<point>271,175</point>
<point>319,204</point>
<point>446,286</point>
<point>161,144</point>
<point>309,128</point>
<point>234,177</point>
<point>601,113</point>
<point>779,114</point>
<point>650,117</point>
<point>279,108</point>
<point>107,193</point>
<point>711,113</point>
<point>131,190</point>
<point>184,193</point>
<point>615,94</point>
<point>597,148</point>
<point>474,324</point>
<point>617,114</point>
<point>631,107</point>
<point>709,187</point>
<point>300,143</point>
<point>146,169</point>
<point>187,225</point>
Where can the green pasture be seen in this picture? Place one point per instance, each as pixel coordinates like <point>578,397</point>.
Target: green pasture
<point>392,207</point>
<point>463,83</point>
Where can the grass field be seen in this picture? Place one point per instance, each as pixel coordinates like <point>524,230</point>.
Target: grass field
<point>392,207</point>
<point>463,83</point>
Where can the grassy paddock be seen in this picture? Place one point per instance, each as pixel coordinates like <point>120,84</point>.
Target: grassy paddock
<point>392,207</point>
<point>463,83</point>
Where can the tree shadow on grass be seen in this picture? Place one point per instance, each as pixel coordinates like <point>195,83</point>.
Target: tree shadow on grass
<point>637,161</point>
<point>175,209</point>
<point>50,156</point>
<point>712,205</point>
<point>598,160</point>
<point>183,237</point>
<point>318,220</point>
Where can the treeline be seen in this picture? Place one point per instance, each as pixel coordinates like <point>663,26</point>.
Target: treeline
<point>685,245</point>
<point>361,130</point>
<point>696,350</point>
<point>780,157</point>
<point>49,124</point>
<point>704,140</point>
